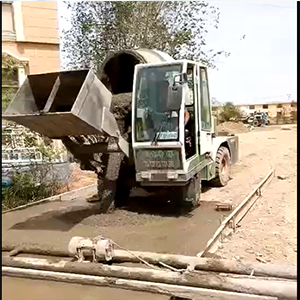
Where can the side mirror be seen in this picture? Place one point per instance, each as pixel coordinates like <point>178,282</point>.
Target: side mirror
<point>175,96</point>
<point>180,78</point>
<point>176,91</point>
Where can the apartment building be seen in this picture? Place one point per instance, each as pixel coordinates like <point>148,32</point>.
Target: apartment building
<point>30,42</point>
<point>278,112</point>
<point>30,38</point>
<point>285,110</point>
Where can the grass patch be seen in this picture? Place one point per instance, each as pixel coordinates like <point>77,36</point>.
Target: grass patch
<point>25,188</point>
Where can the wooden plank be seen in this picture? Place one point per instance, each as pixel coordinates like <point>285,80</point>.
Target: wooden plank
<point>236,216</point>
<point>135,285</point>
<point>209,280</point>
<point>287,271</point>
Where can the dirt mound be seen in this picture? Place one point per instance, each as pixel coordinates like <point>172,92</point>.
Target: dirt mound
<point>232,127</point>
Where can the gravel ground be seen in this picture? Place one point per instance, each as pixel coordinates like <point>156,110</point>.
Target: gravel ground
<point>80,179</point>
<point>269,231</point>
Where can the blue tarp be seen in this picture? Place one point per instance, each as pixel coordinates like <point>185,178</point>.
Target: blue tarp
<point>6,181</point>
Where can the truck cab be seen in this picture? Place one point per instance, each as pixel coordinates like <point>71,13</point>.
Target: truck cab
<point>173,133</point>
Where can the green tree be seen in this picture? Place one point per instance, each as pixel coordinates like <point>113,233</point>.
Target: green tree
<point>229,112</point>
<point>9,79</point>
<point>179,28</point>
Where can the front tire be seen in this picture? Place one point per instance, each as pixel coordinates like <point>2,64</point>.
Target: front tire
<point>223,161</point>
<point>188,197</point>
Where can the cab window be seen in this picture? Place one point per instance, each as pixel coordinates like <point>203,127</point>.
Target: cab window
<point>205,101</point>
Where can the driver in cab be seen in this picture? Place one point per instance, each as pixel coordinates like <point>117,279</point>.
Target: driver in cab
<point>190,84</point>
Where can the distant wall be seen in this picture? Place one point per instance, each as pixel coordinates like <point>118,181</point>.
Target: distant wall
<point>40,57</point>
<point>40,21</point>
<point>60,172</point>
<point>279,113</point>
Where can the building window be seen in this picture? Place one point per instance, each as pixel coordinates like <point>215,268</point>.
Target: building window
<point>265,106</point>
<point>251,106</point>
<point>8,28</point>
<point>279,105</point>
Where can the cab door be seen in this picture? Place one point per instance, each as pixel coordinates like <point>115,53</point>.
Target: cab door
<point>192,126</point>
<point>205,119</point>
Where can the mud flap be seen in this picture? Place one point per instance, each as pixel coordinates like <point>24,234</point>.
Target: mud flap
<point>233,143</point>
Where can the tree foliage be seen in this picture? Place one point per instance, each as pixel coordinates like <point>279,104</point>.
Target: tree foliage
<point>229,112</point>
<point>215,102</point>
<point>31,180</point>
<point>9,73</point>
<point>179,28</point>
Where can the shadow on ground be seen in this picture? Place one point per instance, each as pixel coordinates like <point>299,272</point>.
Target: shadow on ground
<point>136,211</point>
<point>156,207</point>
<point>60,220</point>
<point>133,211</point>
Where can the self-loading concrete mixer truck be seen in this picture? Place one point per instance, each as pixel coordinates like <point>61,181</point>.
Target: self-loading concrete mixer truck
<point>143,120</point>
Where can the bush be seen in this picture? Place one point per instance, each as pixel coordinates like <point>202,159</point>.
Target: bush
<point>35,180</point>
<point>229,112</point>
<point>26,188</point>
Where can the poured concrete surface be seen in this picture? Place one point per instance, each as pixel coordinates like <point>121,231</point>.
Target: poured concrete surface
<point>28,289</point>
<point>55,223</point>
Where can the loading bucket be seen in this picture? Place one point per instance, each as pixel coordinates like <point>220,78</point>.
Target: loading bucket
<point>60,104</point>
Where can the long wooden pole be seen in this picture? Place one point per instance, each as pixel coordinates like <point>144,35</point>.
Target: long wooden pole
<point>143,286</point>
<point>236,215</point>
<point>287,271</point>
<point>251,285</point>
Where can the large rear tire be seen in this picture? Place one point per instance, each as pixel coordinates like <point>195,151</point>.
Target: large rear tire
<point>223,162</point>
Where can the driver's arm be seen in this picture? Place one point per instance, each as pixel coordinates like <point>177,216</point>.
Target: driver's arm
<point>186,116</point>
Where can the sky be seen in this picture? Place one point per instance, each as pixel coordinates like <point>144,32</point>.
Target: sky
<point>261,67</point>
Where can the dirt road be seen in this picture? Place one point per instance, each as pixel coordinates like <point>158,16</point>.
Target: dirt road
<point>268,232</point>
